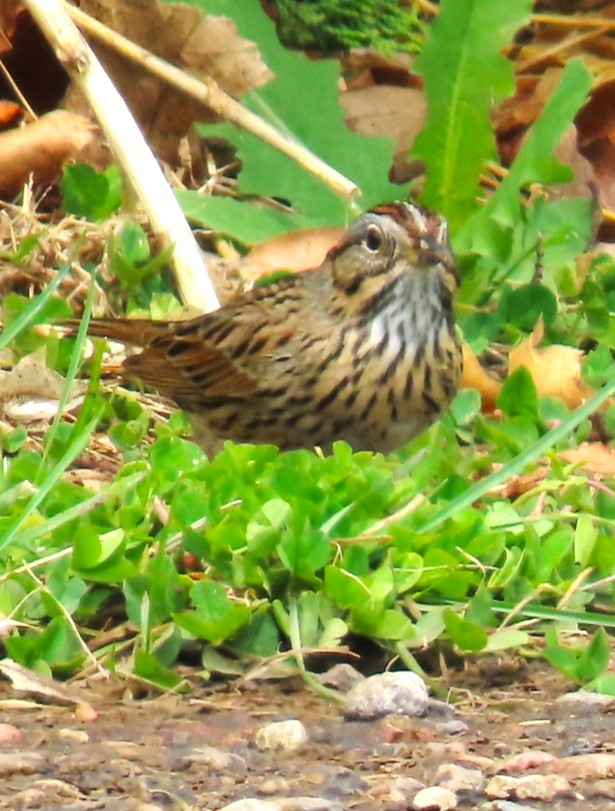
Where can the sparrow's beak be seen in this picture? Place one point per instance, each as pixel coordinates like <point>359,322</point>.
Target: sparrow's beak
<point>432,251</point>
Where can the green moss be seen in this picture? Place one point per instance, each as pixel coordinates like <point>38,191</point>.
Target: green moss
<point>339,25</point>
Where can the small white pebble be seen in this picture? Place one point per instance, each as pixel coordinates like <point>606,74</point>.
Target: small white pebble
<point>251,804</point>
<point>73,735</point>
<point>544,787</point>
<point>286,735</point>
<point>458,778</point>
<point>434,798</point>
<point>400,692</point>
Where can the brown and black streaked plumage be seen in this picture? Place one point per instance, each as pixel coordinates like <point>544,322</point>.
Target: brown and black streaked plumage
<point>362,348</point>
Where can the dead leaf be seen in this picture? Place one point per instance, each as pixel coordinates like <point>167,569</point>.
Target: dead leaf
<point>31,391</point>
<point>27,681</point>
<point>41,148</point>
<point>596,125</point>
<point>296,251</point>
<point>475,377</point>
<point>585,179</point>
<point>516,486</point>
<point>205,46</point>
<point>10,114</point>
<point>8,626</point>
<point>594,457</point>
<point>387,111</point>
<point>555,369</point>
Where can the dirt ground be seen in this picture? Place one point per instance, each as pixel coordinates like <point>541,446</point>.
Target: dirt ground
<point>200,751</point>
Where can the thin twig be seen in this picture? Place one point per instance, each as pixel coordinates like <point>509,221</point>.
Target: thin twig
<point>570,41</point>
<point>130,149</point>
<point>17,91</point>
<point>209,93</point>
<point>574,21</point>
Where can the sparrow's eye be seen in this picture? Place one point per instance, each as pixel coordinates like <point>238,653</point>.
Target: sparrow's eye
<point>373,239</point>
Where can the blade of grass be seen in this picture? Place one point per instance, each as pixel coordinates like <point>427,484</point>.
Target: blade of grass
<point>78,444</point>
<point>309,678</point>
<point>558,614</point>
<point>517,464</point>
<point>49,525</point>
<point>73,367</point>
<point>31,310</point>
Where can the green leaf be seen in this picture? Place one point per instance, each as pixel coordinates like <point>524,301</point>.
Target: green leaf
<point>466,406</point>
<point>170,456</point>
<point>535,163</point>
<point>518,395</point>
<point>523,306</point>
<point>579,665</point>
<point>505,639</point>
<point>585,537</point>
<point>392,625</point>
<point>302,101</point>
<point>564,660</point>
<point>217,617</point>
<point>244,220</point>
<point>33,310</point>
<point>91,194</point>
<point>149,668</point>
<point>605,684</point>
<point>465,77</point>
<point>304,552</point>
<point>87,549</point>
<point>130,255</point>
<point>595,658</point>
<point>466,635</point>
<point>260,637</point>
<point>598,366</point>
<point>344,588</point>
<point>263,530</point>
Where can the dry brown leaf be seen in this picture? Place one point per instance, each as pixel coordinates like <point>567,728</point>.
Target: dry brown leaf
<point>596,125</point>
<point>183,36</point>
<point>595,457</point>
<point>585,180</point>
<point>30,392</point>
<point>475,377</point>
<point>555,370</point>
<point>522,109</point>
<point>214,49</point>
<point>296,251</point>
<point>387,111</point>
<point>41,148</point>
<point>31,683</point>
<point>516,486</point>
<point>10,113</point>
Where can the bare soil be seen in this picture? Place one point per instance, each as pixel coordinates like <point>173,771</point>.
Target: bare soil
<point>199,752</point>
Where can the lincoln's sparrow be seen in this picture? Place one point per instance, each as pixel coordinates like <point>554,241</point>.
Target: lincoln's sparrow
<point>362,348</point>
